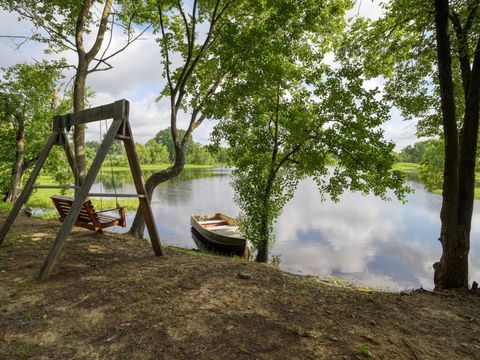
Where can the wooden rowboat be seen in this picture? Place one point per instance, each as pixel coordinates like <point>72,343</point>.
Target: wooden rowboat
<point>220,231</point>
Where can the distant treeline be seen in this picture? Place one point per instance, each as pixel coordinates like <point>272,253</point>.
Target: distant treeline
<point>159,149</point>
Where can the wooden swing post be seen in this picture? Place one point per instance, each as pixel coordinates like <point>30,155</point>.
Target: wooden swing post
<point>119,129</point>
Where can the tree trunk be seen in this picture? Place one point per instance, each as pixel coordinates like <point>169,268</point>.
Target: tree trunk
<point>468,156</point>
<point>79,105</point>
<point>84,59</point>
<point>452,269</point>
<point>459,171</point>
<point>138,225</point>
<point>17,169</point>
<point>262,254</point>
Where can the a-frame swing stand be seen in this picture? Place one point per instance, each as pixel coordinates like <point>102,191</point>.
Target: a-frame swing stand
<point>120,130</point>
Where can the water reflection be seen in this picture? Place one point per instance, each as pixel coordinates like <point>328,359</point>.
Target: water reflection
<point>361,238</point>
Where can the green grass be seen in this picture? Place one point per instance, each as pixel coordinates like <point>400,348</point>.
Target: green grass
<point>186,251</point>
<point>407,168</point>
<point>410,170</point>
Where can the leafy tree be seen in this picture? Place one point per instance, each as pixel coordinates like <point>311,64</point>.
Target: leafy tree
<point>65,25</point>
<point>194,152</point>
<point>92,144</point>
<point>164,137</point>
<point>431,165</point>
<point>155,153</point>
<point>286,113</point>
<point>429,53</point>
<point>413,153</point>
<point>28,101</point>
<point>199,155</point>
<point>219,153</point>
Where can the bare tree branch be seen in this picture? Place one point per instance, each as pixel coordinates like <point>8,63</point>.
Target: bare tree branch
<point>165,49</point>
<point>101,30</point>
<point>182,80</point>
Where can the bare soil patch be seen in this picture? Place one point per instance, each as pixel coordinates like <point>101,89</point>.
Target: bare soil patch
<point>110,298</point>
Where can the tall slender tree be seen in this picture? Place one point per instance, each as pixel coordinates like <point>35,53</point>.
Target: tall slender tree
<point>209,37</point>
<point>460,146</point>
<point>287,115</point>
<point>429,53</point>
<point>193,81</point>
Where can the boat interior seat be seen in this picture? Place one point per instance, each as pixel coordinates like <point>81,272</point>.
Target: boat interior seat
<point>222,227</point>
<point>211,221</point>
<point>232,231</point>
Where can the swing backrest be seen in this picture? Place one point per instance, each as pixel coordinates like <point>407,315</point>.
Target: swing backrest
<point>88,218</point>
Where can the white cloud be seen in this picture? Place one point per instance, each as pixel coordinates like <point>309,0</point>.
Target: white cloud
<point>11,53</point>
<point>402,133</point>
<point>135,71</point>
<point>366,8</point>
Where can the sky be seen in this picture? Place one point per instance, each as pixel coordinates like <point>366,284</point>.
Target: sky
<point>137,77</point>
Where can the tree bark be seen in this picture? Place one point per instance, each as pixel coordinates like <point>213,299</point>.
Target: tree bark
<point>84,60</point>
<point>262,254</point>
<point>459,168</point>
<point>468,155</point>
<point>18,168</point>
<point>79,105</point>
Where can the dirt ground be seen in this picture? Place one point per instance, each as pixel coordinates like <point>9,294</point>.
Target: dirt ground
<point>110,298</point>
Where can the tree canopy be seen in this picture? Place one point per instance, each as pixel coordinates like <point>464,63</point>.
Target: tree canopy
<point>29,97</point>
<point>80,27</point>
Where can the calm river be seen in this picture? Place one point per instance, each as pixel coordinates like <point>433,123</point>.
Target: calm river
<point>383,244</point>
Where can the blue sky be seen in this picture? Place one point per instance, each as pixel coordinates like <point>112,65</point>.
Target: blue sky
<point>137,77</point>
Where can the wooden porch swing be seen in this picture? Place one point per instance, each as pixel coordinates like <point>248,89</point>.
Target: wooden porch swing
<point>79,210</point>
<point>89,217</point>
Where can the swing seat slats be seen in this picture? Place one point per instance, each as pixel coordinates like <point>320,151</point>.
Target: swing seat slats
<point>89,217</point>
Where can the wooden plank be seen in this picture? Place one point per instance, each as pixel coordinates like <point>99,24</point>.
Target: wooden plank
<point>71,159</point>
<point>27,190</point>
<point>64,204</point>
<point>115,195</point>
<point>114,110</point>
<point>77,205</point>
<point>140,187</point>
<point>121,137</point>
<point>54,187</point>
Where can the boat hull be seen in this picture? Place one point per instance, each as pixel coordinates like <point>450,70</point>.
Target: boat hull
<point>233,244</point>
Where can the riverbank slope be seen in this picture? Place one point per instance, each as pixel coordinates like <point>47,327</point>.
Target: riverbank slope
<point>108,297</point>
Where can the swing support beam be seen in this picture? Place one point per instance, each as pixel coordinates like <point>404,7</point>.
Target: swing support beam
<point>119,129</point>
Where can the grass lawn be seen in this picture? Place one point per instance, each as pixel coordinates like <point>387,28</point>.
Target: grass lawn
<point>410,170</point>
<point>407,168</point>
